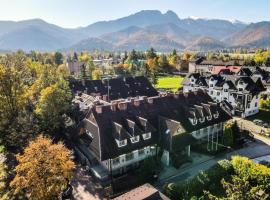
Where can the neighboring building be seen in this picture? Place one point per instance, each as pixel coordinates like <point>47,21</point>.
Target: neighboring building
<point>201,65</point>
<point>144,192</point>
<point>241,92</point>
<point>75,67</point>
<point>121,133</point>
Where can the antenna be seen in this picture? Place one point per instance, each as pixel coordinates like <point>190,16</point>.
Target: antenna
<point>108,89</point>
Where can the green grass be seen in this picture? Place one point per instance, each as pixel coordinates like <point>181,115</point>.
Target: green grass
<point>172,83</point>
<point>263,115</point>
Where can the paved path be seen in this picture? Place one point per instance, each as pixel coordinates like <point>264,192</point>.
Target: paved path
<point>84,188</point>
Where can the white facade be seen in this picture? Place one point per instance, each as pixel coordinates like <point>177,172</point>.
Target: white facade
<point>247,107</point>
<point>120,164</point>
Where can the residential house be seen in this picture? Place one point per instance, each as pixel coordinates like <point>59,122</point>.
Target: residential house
<point>241,92</point>
<point>119,134</point>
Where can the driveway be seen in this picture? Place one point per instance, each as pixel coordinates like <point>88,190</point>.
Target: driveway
<point>84,188</point>
<point>253,128</point>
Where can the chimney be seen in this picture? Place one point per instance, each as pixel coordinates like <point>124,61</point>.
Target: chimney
<point>176,95</point>
<point>185,94</point>
<point>136,102</point>
<point>150,100</point>
<point>122,106</point>
<point>99,109</point>
<point>105,97</point>
<point>144,98</point>
<point>113,107</point>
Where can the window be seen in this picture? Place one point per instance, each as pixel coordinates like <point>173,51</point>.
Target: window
<point>129,156</point>
<point>201,120</point>
<point>211,92</point>
<point>209,117</point>
<point>135,139</point>
<point>241,82</point>
<point>249,98</point>
<point>240,89</point>
<point>225,98</point>
<point>147,136</point>
<point>141,152</point>
<point>216,115</point>
<point>89,134</point>
<point>116,161</point>
<point>218,93</point>
<point>225,90</point>
<point>256,104</point>
<point>121,143</point>
<point>211,85</point>
<point>248,105</point>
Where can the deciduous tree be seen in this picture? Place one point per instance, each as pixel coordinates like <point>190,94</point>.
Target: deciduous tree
<point>43,170</point>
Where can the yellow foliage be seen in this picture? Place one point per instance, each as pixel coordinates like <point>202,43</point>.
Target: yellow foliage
<point>43,169</point>
<point>96,74</point>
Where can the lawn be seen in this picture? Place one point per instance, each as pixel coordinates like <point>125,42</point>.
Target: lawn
<point>172,83</point>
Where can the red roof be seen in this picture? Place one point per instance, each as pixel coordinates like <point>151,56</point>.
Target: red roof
<point>233,69</point>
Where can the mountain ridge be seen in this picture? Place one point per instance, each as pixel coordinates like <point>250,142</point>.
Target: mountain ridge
<point>162,30</point>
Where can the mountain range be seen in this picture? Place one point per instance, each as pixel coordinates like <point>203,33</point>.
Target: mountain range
<point>140,31</point>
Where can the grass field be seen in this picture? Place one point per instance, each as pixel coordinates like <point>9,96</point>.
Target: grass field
<point>172,83</point>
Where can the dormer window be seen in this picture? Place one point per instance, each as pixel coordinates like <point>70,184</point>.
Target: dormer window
<point>241,82</point>
<point>216,115</point>
<point>211,85</point>
<point>202,120</point>
<point>193,121</point>
<point>209,117</point>
<point>146,136</point>
<point>135,139</point>
<point>121,143</point>
<point>240,89</point>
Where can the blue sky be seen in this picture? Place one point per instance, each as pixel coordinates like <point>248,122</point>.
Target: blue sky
<point>74,13</point>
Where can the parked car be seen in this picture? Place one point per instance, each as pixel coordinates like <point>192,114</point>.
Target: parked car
<point>258,122</point>
<point>265,125</point>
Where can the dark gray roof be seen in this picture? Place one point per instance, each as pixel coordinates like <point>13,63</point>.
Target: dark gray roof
<point>174,107</point>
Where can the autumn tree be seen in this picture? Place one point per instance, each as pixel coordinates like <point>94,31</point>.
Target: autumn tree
<point>96,74</point>
<point>90,67</point>
<point>53,103</point>
<point>43,170</point>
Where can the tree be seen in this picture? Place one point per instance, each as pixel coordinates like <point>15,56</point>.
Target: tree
<point>228,138</point>
<point>151,53</point>
<point>58,58</point>
<point>96,74</point>
<point>240,189</point>
<point>4,193</point>
<point>90,67</point>
<point>43,170</point>
<point>54,102</point>
<point>75,57</point>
